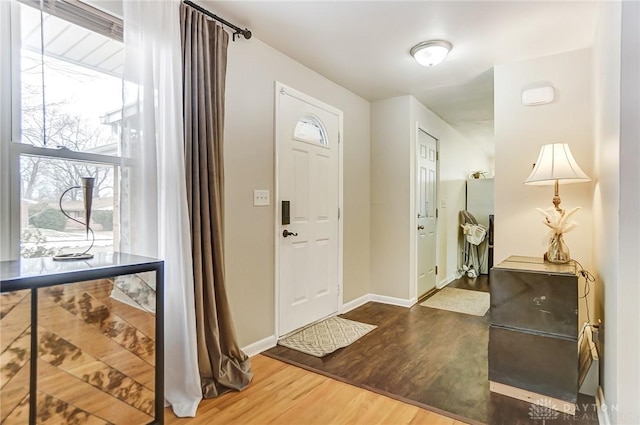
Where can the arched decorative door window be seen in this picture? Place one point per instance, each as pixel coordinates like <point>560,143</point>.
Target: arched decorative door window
<point>309,129</point>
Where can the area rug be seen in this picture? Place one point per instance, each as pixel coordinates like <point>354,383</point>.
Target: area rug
<point>464,301</point>
<point>327,336</point>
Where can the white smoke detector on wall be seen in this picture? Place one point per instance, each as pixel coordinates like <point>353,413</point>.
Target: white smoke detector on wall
<point>538,96</point>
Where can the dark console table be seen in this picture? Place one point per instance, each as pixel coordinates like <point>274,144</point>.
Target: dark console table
<point>82,341</point>
<point>533,336</point>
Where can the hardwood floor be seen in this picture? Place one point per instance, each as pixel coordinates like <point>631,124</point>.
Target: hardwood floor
<point>428,357</point>
<point>432,357</point>
<point>480,283</point>
<point>420,366</point>
<point>285,394</point>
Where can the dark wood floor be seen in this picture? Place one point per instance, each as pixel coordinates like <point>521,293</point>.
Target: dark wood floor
<point>432,358</point>
<point>480,283</point>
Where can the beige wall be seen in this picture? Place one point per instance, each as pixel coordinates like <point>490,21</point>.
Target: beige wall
<point>393,138</point>
<point>390,168</point>
<point>520,131</point>
<point>617,204</point>
<point>253,68</point>
<point>606,200</point>
<point>628,293</point>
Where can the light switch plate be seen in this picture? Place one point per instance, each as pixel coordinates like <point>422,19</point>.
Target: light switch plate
<point>260,198</point>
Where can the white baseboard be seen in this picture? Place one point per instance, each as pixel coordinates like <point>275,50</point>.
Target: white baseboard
<point>392,300</point>
<point>271,341</point>
<point>260,346</point>
<point>602,408</point>
<point>447,280</point>
<point>353,304</point>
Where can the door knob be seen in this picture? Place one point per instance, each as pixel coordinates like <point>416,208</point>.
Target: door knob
<point>286,233</point>
<point>421,227</point>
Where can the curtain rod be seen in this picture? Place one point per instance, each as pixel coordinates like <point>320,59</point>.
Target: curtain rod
<point>237,30</point>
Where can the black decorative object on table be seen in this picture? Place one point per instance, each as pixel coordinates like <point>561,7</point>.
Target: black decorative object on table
<point>87,196</point>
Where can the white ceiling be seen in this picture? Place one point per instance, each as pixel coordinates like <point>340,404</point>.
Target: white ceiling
<point>364,45</point>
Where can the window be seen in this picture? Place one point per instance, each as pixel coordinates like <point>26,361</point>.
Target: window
<point>66,100</point>
<point>309,129</point>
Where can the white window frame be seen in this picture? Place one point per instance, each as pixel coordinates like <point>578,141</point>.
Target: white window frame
<point>11,149</point>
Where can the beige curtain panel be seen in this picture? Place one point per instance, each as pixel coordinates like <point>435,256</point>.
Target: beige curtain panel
<point>223,366</point>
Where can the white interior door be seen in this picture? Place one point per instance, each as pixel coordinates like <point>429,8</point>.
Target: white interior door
<point>426,208</point>
<point>308,180</point>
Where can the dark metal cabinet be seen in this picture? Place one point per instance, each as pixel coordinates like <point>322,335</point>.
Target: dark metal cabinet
<point>533,336</point>
<point>82,340</point>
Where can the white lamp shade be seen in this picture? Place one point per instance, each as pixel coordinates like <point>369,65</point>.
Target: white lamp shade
<point>556,162</point>
<point>430,53</point>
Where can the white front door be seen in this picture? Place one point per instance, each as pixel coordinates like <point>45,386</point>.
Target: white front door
<point>426,208</point>
<point>307,137</point>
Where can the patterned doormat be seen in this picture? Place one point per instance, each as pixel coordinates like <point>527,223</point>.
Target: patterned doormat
<point>459,300</point>
<point>327,336</point>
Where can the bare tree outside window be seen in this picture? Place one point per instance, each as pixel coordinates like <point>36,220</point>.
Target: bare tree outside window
<point>66,99</point>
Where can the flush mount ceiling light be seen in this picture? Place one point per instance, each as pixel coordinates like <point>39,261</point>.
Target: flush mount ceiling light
<point>430,53</point>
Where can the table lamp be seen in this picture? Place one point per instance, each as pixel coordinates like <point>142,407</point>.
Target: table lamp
<point>555,165</point>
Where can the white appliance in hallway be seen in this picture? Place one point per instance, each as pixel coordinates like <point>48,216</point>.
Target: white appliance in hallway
<point>480,199</point>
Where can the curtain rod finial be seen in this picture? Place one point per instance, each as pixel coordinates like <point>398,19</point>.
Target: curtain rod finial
<point>245,33</point>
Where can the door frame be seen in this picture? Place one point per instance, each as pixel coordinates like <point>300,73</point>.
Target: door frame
<point>282,88</point>
<point>413,230</point>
